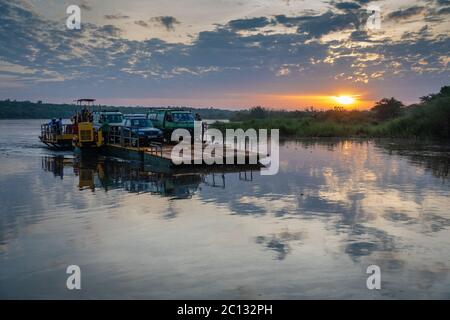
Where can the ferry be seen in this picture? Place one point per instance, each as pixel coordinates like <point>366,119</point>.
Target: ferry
<point>57,135</point>
<point>90,135</point>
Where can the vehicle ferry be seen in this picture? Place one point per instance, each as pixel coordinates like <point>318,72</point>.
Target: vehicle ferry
<point>135,138</point>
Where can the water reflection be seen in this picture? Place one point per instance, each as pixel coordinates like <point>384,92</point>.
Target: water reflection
<point>132,177</point>
<point>432,157</point>
<point>113,174</point>
<point>334,208</point>
<point>281,243</point>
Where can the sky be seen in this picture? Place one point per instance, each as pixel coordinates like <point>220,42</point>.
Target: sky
<point>230,54</point>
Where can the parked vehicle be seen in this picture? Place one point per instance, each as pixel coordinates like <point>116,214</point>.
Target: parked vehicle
<point>134,116</point>
<point>137,126</point>
<point>112,118</point>
<point>170,119</point>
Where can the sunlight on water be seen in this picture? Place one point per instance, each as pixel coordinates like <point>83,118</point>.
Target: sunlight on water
<point>310,231</point>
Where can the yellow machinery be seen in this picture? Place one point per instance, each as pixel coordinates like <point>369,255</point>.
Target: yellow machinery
<point>88,136</point>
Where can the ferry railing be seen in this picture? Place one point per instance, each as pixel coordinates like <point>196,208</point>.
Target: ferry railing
<point>47,133</point>
<point>114,135</point>
<point>155,148</point>
<point>129,137</point>
<point>124,138</point>
<point>50,132</point>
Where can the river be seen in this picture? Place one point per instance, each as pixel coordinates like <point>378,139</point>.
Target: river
<point>335,207</point>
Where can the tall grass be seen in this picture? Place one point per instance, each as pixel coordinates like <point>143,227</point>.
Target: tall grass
<point>428,120</point>
<point>300,127</point>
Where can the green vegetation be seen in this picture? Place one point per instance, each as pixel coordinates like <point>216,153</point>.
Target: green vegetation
<point>30,110</point>
<point>427,120</point>
<point>388,118</point>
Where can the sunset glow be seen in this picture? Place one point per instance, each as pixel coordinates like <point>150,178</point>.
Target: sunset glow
<point>230,54</point>
<point>344,100</point>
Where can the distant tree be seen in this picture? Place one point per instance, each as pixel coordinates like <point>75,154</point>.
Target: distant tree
<point>444,92</point>
<point>386,109</point>
<point>258,112</point>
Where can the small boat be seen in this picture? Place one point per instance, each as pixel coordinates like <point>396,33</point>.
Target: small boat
<point>57,135</point>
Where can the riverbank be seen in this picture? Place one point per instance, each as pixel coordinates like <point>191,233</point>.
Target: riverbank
<point>430,120</point>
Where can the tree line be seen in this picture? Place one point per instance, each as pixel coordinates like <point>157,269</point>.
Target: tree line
<point>12,109</point>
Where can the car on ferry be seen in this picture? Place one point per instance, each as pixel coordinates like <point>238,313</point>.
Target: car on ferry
<point>137,125</point>
<point>112,118</point>
<point>170,119</point>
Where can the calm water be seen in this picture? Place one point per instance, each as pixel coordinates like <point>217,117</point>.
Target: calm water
<point>311,231</point>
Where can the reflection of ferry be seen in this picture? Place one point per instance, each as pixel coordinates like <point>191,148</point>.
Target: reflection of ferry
<point>112,174</point>
<point>109,174</point>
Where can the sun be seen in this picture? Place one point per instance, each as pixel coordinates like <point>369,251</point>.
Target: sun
<point>344,100</point>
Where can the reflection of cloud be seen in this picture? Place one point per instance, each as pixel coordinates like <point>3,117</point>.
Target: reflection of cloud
<point>359,205</point>
<point>397,217</point>
<point>363,241</point>
<point>280,243</point>
<point>432,157</point>
<point>370,199</point>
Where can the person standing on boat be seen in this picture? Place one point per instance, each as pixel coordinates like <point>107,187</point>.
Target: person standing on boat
<point>59,126</point>
<point>52,125</point>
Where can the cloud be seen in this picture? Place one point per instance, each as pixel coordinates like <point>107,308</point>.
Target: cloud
<point>422,33</point>
<point>360,35</point>
<point>98,60</point>
<point>405,13</point>
<point>445,10</point>
<point>109,30</point>
<point>316,26</point>
<point>249,24</point>
<point>329,22</point>
<point>116,16</point>
<point>347,5</point>
<point>142,23</point>
<point>291,21</point>
<point>167,22</point>
<point>85,6</point>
